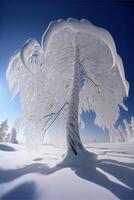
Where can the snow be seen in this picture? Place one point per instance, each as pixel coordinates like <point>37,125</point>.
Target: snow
<point>33,175</point>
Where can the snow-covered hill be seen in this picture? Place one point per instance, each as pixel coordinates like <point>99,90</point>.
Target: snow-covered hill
<point>32,175</point>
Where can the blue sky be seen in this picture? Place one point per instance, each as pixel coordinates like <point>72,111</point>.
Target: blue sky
<point>21,20</point>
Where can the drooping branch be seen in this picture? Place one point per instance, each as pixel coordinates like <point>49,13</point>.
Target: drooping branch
<point>29,70</point>
<point>56,112</point>
<point>93,83</point>
<point>49,114</point>
<point>55,115</point>
<point>36,79</point>
<point>52,122</point>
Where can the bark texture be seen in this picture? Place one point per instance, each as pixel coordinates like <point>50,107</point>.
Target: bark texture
<point>74,143</point>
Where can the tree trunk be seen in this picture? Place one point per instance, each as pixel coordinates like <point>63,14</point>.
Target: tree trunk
<point>74,143</point>
<point>76,153</point>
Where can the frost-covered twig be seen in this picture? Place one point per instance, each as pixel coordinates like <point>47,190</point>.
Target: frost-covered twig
<point>93,83</point>
<point>56,112</point>
<point>51,115</point>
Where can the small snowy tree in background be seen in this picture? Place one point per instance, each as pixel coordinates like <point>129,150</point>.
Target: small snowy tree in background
<point>7,137</point>
<point>76,68</point>
<point>114,135</point>
<point>122,134</point>
<point>128,130</point>
<point>3,130</point>
<point>13,136</point>
<point>132,126</point>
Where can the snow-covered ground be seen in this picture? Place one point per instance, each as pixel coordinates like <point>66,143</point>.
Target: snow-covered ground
<point>32,175</point>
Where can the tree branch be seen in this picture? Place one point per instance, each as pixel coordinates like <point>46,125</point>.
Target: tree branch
<point>52,122</point>
<point>93,83</point>
<point>28,68</point>
<point>56,114</point>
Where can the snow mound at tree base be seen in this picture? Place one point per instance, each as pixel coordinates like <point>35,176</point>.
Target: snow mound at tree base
<point>83,157</point>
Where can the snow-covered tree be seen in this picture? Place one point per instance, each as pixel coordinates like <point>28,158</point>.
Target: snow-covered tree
<point>111,136</point>
<point>7,137</point>
<point>122,134</point>
<point>114,135</point>
<point>76,68</point>
<point>13,136</point>
<point>132,125</point>
<point>127,130</point>
<point>3,130</point>
<point>118,134</point>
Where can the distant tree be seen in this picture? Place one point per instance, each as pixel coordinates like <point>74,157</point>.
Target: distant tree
<point>13,136</point>
<point>3,130</point>
<point>132,126</point>
<point>114,135</point>
<point>111,136</point>
<point>76,68</point>
<point>7,137</point>
<point>127,130</point>
<point>122,134</point>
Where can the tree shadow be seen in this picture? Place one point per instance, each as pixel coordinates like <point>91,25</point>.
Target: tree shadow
<point>26,191</point>
<point>10,175</point>
<point>123,188</point>
<point>117,152</point>
<point>120,156</point>
<point>4,147</point>
<point>122,173</point>
<point>123,164</point>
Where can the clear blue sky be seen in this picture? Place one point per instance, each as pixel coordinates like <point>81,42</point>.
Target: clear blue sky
<point>21,20</point>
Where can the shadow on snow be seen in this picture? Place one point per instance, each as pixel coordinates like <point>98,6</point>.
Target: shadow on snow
<point>24,191</point>
<point>4,147</point>
<point>96,173</point>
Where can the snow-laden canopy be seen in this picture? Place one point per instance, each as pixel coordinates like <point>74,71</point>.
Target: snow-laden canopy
<point>43,74</point>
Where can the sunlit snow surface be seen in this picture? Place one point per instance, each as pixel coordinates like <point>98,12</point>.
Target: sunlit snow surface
<point>32,175</point>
